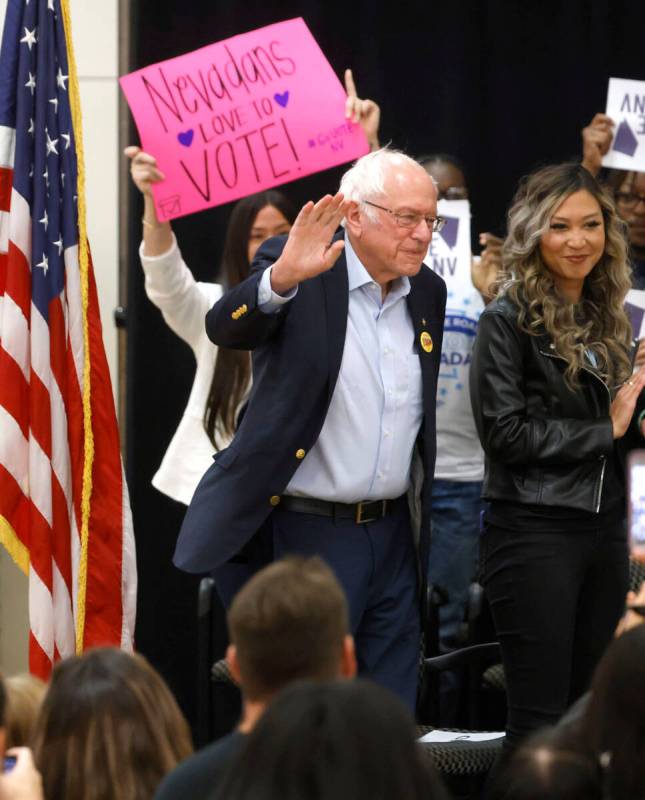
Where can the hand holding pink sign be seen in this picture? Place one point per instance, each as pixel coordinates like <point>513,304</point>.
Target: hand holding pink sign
<point>239,116</point>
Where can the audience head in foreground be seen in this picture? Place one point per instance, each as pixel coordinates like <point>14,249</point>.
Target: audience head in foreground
<point>332,740</point>
<point>541,770</point>
<point>25,695</point>
<point>109,729</point>
<point>613,728</point>
<point>288,623</point>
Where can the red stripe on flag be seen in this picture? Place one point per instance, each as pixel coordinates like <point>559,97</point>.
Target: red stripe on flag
<point>62,536</point>
<point>6,179</point>
<point>104,609</point>
<point>14,506</point>
<point>74,405</point>
<point>14,391</point>
<point>40,421</point>
<point>39,663</point>
<point>40,550</point>
<point>17,279</point>
<point>58,344</point>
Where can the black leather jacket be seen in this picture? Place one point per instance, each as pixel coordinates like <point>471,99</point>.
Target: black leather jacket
<point>545,443</point>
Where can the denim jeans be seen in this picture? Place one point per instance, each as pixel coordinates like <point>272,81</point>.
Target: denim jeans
<point>454,550</point>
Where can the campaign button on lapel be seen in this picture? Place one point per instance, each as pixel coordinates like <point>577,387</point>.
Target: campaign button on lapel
<point>426,341</point>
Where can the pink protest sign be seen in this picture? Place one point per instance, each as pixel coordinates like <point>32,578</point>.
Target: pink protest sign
<point>239,116</point>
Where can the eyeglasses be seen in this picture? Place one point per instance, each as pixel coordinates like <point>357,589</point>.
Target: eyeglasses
<point>629,199</point>
<point>408,220</point>
<point>453,193</point>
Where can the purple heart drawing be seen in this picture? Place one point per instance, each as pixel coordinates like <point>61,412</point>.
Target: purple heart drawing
<point>625,141</point>
<point>186,137</point>
<point>449,231</point>
<point>281,99</point>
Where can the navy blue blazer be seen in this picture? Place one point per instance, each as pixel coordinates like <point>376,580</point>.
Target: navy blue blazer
<point>296,359</point>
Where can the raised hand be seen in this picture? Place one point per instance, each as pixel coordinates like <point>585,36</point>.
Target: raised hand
<point>157,236</point>
<point>308,251</point>
<point>622,408</point>
<point>143,169</point>
<point>366,112</point>
<point>596,141</point>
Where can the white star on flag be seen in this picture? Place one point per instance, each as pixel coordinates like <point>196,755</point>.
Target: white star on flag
<point>54,102</point>
<point>59,244</point>
<point>45,219</point>
<point>46,176</point>
<point>31,83</point>
<point>51,144</point>
<point>44,264</point>
<point>60,79</point>
<point>29,38</point>
<point>31,127</point>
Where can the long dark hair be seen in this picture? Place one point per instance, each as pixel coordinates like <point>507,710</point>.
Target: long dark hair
<point>109,729</point>
<point>324,741</point>
<point>233,367</point>
<point>613,728</point>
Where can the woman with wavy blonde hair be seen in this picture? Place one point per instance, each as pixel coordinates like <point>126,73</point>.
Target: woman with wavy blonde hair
<point>556,407</point>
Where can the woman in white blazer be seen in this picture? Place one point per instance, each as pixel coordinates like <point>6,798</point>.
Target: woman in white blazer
<point>222,377</point>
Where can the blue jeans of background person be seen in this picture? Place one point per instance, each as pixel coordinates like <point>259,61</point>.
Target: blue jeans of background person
<point>454,550</point>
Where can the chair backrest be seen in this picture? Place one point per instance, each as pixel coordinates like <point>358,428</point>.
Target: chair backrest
<point>218,707</point>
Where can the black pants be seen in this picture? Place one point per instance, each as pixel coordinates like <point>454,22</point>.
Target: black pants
<point>556,599</point>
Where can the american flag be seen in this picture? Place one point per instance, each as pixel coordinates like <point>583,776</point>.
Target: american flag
<point>64,508</point>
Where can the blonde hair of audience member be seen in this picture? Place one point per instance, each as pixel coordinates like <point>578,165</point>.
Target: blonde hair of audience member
<point>25,695</point>
<point>289,622</point>
<point>109,729</point>
<point>598,321</point>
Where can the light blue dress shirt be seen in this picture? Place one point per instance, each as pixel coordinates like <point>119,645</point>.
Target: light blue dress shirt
<point>365,447</point>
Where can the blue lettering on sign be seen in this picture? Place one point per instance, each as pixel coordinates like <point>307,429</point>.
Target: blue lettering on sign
<point>455,359</point>
<point>460,325</point>
<point>443,266</point>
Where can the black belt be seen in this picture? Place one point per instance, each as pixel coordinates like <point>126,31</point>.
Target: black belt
<point>366,511</point>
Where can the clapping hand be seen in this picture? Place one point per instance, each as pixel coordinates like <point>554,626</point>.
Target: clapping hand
<point>366,112</point>
<point>622,408</point>
<point>309,250</point>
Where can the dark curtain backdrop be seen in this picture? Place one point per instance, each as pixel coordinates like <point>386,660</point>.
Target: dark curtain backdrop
<point>505,85</point>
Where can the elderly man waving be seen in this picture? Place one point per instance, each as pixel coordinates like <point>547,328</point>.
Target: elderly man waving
<point>345,330</point>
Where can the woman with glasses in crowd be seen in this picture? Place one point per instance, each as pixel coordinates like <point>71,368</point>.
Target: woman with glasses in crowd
<point>556,407</point>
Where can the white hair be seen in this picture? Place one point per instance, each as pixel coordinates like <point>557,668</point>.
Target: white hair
<point>365,179</point>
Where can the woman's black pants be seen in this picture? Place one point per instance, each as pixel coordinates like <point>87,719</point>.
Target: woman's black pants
<point>556,599</point>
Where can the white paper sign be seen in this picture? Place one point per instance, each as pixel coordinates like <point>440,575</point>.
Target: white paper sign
<point>449,252</point>
<point>461,736</point>
<point>626,106</point>
<point>635,308</point>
